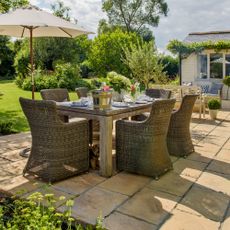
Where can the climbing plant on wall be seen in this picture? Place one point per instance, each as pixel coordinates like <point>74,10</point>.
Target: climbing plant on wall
<point>185,49</point>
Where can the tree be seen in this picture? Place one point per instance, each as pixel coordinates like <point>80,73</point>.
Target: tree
<point>60,10</point>
<point>144,63</point>
<point>105,27</point>
<point>6,49</point>
<point>106,52</point>
<point>135,14</point>
<point>171,65</point>
<point>6,5</point>
<point>6,57</point>
<point>48,51</point>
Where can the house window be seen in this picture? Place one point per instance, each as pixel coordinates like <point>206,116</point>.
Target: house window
<point>216,66</point>
<point>202,65</point>
<point>227,64</point>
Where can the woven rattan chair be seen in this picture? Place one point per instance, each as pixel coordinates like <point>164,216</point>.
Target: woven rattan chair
<point>153,93</point>
<point>59,150</point>
<point>82,91</point>
<point>178,139</point>
<point>93,124</point>
<point>141,146</point>
<point>158,93</point>
<point>58,95</point>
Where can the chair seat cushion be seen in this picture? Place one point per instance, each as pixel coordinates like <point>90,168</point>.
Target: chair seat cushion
<point>215,87</point>
<point>204,88</point>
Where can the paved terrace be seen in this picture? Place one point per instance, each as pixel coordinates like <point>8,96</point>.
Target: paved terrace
<point>195,195</point>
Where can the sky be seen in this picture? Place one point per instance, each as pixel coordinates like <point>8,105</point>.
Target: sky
<point>185,16</point>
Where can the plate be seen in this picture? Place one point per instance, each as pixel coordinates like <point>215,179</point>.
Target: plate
<point>79,104</point>
<point>120,105</point>
<point>141,102</point>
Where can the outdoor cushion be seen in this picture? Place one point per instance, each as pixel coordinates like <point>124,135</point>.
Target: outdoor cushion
<point>204,88</point>
<point>215,87</point>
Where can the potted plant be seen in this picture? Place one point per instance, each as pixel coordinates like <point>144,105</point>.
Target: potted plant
<point>213,105</point>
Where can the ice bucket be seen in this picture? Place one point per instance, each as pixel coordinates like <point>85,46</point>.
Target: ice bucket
<point>102,99</point>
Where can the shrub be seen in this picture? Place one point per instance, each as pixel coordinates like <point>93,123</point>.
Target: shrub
<point>118,81</point>
<point>6,127</point>
<point>67,75</point>
<point>19,81</point>
<point>106,51</point>
<point>83,83</point>
<point>175,81</point>
<point>32,214</point>
<point>214,104</point>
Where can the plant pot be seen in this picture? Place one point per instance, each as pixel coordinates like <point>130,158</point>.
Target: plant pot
<point>213,113</point>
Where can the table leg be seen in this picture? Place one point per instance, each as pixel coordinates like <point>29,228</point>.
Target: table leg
<point>106,162</point>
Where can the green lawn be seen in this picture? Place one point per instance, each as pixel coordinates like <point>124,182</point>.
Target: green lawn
<point>10,109</point>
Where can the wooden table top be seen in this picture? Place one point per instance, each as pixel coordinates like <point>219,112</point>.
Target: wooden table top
<point>66,106</point>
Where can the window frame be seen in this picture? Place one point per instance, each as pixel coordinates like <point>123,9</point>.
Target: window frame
<point>208,54</point>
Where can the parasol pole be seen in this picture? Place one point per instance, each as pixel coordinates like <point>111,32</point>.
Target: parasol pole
<point>32,61</point>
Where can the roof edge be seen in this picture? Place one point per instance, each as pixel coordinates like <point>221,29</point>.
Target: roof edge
<point>210,32</point>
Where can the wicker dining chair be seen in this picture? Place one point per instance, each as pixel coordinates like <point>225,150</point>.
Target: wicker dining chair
<point>153,93</point>
<point>141,146</point>
<point>178,139</point>
<point>158,93</point>
<point>93,124</point>
<point>58,95</point>
<point>82,91</point>
<point>59,150</point>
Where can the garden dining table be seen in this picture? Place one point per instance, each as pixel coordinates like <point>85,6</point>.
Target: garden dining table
<point>105,118</point>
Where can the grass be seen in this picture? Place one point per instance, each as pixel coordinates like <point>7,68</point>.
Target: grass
<point>10,109</point>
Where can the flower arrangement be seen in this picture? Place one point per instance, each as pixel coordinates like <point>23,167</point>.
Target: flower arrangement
<point>118,82</point>
<point>134,89</point>
<point>106,88</point>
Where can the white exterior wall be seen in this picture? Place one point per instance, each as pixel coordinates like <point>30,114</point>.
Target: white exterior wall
<point>189,68</point>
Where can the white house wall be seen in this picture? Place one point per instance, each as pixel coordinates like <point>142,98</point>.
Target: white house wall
<point>189,68</point>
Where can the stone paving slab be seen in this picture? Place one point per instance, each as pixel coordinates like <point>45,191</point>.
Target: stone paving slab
<point>80,184</point>
<point>219,166</point>
<point>193,195</point>
<point>119,221</point>
<point>150,205</point>
<point>185,221</point>
<point>226,223</point>
<point>215,181</point>
<point>227,145</point>
<point>206,202</point>
<point>224,154</point>
<point>201,156</point>
<point>189,168</point>
<point>94,203</point>
<point>172,183</point>
<point>125,183</point>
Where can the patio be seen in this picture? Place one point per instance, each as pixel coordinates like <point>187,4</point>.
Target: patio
<point>194,194</point>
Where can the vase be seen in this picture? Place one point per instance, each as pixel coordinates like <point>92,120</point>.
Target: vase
<point>117,96</point>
